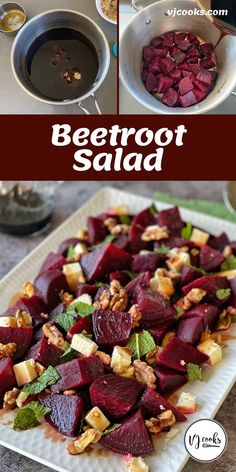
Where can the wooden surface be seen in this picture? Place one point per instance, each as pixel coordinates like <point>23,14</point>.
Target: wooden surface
<point>71,195</point>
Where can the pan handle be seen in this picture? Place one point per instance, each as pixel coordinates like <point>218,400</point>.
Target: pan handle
<point>234,94</point>
<point>85,110</point>
<point>139,8</point>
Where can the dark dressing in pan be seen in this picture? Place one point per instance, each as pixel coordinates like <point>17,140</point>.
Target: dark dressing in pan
<point>62,64</point>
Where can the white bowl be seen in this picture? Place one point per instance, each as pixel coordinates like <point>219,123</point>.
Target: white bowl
<point>99,9</point>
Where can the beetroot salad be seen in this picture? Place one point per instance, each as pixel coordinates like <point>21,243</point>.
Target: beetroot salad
<point>123,314</point>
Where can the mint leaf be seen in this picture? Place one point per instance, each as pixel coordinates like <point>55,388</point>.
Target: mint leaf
<point>131,274</point>
<point>83,309</point>
<point>153,209</point>
<point>108,239</point>
<point>70,252</point>
<point>67,320</point>
<point>194,372</point>
<point>223,293</point>
<point>229,263</point>
<point>125,219</point>
<point>112,428</point>
<point>162,249</point>
<point>28,416</point>
<point>49,377</point>
<point>140,344</point>
<point>68,355</point>
<point>99,284</point>
<point>187,231</point>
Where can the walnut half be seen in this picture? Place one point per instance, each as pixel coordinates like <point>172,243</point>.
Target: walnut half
<point>161,422</point>
<point>115,298</point>
<point>90,436</point>
<point>7,350</point>
<point>144,373</point>
<point>9,400</point>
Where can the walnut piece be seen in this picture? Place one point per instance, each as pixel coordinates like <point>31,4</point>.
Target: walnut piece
<point>155,233</point>
<point>69,392</point>
<point>9,400</point>
<point>7,350</point>
<point>135,315</point>
<point>224,321</point>
<point>23,319</point>
<point>120,229</point>
<point>144,373</point>
<point>53,334</point>
<point>82,234</point>
<point>161,272</point>
<point>66,298</point>
<point>28,289</point>
<point>110,223</point>
<point>152,355</point>
<point>161,422</point>
<point>192,298</point>
<point>115,298</point>
<point>105,358</point>
<point>90,436</point>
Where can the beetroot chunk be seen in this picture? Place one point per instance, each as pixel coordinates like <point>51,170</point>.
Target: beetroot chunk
<point>206,48</point>
<point>189,274</point>
<point>44,353</point>
<point>210,258</point>
<point>219,242</point>
<point>111,327</point>
<point>103,260</point>
<point>208,313</point>
<point>151,82</point>
<point>7,377</point>
<point>143,279</point>
<point>64,246</point>
<point>171,218</point>
<point>159,331</point>
<point>156,42</point>
<point>154,404</point>
<point>168,380</point>
<point>170,98</point>
<point>147,262</point>
<point>33,305</point>
<point>164,83</point>
<point>115,395</point>
<point>131,437</point>
<point>207,63</point>
<point>204,76</point>
<point>167,65</point>
<point>66,412</point>
<point>211,284</point>
<point>49,285</point>
<point>20,336</point>
<point>189,330</point>
<point>83,324</point>
<point>96,230</point>
<point>185,85</point>
<point>153,306</point>
<point>177,354</point>
<point>52,261</point>
<point>188,99</point>
<point>78,373</point>
<point>148,53</point>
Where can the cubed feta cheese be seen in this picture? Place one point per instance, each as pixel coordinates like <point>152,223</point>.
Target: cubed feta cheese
<point>80,249</point>
<point>121,359</point>
<point>211,349</point>
<point>85,298</point>
<point>84,345</point>
<point>8,322</point>
<point>163,285</point>
<point>178,261</point>
<point>96,419</point>
<point>25,372</point>
<point>199,237</point>
<point>230,274</point>
<point>187,402</point>
<point>137,464</point>
<point>73,273</point>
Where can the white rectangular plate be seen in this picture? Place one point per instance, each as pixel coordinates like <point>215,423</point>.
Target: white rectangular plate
<point>217,381</point>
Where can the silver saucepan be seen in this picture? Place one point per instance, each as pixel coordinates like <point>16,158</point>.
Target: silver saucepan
<point>59,19</point>
<point>152,21</point>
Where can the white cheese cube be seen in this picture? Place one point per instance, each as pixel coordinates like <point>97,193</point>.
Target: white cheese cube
<point>121,359</point>
<point>73,273</point>
<point>199,237</point>
<point>84,345</point>
<point>163,285</point>
<point>211,349</point>
<point>137,464</point>
<point>230,274</point>
<point>97,420</point>
<point>85,298</point>
<point>8,322</point>
<point>178,261</point>
<point>80,249</point>
<point>25,372</point>
<point>187,403</point>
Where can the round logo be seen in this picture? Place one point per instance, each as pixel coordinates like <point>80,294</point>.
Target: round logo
<point>205,440</point>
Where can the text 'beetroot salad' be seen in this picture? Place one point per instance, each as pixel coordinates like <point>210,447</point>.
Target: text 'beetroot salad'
<point>179,68</point>
<point>120,316</point>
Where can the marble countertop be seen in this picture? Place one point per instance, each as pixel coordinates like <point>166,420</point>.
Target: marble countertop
<point>72,195</point>
<point>13,100</point>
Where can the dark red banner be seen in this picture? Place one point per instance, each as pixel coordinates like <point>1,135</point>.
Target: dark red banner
<point>166,148</point>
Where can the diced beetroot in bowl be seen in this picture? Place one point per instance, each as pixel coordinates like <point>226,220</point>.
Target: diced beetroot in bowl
<point>187,73</point>
<point>188,99</point>
<point>189,274</point>
<point>20,336</point>
<point>148,53</point>
<point>210,258</point>
<point>168,380</point>
<point>151,82</point>
<point>159,331</point>
<point>170,97</point>
<point>153,404</point>
<point>156,42</point>
<point>164,83</point>
<point>64,246</point>
<point>178,37</point>
<point>83,324</point>
<point>211,284</point>
<point>103,260</point>
<point>78,373</point>
<point>208,313</point>
<point>66,412</point>
<point>122,277</point>
<point>189,330</point>
<point>49,285</point>
<point>143,279</point>
<point>172,219</point>
<point>154,65</point>
<point>206,48</point>
<point>200,86</point>
<point>7,377</point>
<point>147,262</point>
<point>177,354</point>
<point>153,306</point>
<point>194,68</point>
<point>115,395</point>
<point>44,353</point>
<point>219,242</point>
<point>161,52</point>
<point>185,85</point>
<point>96,230</point>
<point>204,76</point>
<point>199,95</point>
<point>145,73</point>
<point>207,63</point>
<point>184,45</point>
<point>180,58</point>
<point>86,288</point>
<point>131,437</point>
<point>167,65</point>
<point>193,53</point>
<point>175,74</point>
<point>52,261</point>
<point>111,327</point>
<point>184,65</point>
